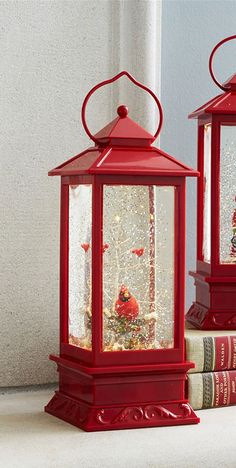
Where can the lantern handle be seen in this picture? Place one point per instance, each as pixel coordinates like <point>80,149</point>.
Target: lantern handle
<point>230,38</point>
<point>111,80</point>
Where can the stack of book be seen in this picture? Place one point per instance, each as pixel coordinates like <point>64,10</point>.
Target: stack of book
<point>212,382</point>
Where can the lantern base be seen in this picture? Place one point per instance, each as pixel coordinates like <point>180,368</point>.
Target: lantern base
<point>206,319</point>
<point>215,306</point>
<point>90,418</point>
<point>98,399</point>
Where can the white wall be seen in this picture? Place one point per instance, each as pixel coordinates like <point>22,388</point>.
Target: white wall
<point>52,53</point>
<point>190,29</point>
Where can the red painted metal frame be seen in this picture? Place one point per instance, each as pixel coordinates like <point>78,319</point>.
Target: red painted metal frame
<point>97,357</point>
<point>67,349</point>
<point>219,269</point>
<point>64,242</point>
<point>214,267</point>
<point>200,191</point>
<point>151,356</point>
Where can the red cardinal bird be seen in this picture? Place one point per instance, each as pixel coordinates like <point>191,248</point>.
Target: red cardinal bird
<point>126,305</point>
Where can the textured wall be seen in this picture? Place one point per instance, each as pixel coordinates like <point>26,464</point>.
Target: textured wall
<point>190,29</point>
<point>52,53</point>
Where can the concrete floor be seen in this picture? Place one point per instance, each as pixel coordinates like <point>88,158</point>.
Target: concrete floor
<point>29,438</point>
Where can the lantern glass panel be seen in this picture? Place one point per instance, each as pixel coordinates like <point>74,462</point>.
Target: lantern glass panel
<point>207,195</point>
<point>80,222</point>
<point>138,267</point>
<point>228,194</point>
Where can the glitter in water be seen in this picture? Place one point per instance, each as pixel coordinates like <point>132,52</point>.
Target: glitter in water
<point>138,267</point>
<point>207,195</point>
<point>141,257</point>
<point>227,192</point>
<point>80,222</point>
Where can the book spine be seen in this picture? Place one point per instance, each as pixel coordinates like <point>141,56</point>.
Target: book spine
<point>225,352</point>
<point>211,353</point>
<point>212,389</point>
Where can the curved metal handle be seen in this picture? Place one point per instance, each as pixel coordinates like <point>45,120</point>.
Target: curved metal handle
<point>230,38</point>
<point>111,80</point>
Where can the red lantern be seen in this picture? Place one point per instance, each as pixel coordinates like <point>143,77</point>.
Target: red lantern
<point>121,362</point>
<point>215,278</point>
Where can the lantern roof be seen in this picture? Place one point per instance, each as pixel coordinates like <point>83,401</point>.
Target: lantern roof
<point>123,128</point>
<point>231,83</point>
<point>123,160</point>
<point>224,103</point>
<point>125,149</point>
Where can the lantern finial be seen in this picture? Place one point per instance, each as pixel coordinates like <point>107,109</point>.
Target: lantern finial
<point>122,111</point>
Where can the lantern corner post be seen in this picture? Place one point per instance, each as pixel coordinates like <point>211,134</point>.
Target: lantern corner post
<point>56,399</point>
<point>200,191</point>
<point>64,260</point>
<point>180,260</point>
<point>215,196</point>
<point>97,266</point>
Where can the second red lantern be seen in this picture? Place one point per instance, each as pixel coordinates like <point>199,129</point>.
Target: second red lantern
<point>215,278</point>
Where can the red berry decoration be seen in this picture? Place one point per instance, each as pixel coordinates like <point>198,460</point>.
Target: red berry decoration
<point>138,252</point>
<point>105,247</point>
<point>85,247</point>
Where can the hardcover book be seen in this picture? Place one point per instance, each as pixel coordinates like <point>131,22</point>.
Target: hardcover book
<point>211,389</point>
<point>211,351</point>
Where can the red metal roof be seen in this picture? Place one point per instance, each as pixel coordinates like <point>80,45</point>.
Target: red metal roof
<point>79,164</point>
<point>119,160</point>
<point>125,149</point>
<point>231,83</point>
<point>124,128</point>
<point>225,103</point>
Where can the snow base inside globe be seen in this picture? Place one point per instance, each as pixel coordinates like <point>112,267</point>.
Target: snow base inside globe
<point>124,333</point>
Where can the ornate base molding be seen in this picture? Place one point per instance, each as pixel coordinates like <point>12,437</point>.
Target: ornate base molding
<point>205,319</point>
<point>91,418</point>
